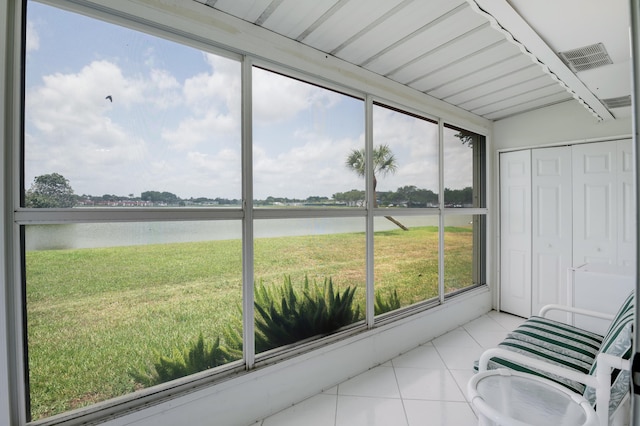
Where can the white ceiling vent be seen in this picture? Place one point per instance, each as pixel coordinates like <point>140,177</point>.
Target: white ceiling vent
<point>586,58</point>
<point>619,102</point>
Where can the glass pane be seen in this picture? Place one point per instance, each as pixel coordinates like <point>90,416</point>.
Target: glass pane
<point>405,262</point>
<point>302,136</point>
<point>464,245</point>
<point>405,158</point>
<point>463,168</point>
<point>106,302</point>
<point>116,117</point>
<point>290,253</point>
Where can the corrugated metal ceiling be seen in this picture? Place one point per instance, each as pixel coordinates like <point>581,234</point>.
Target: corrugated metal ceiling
<point>448,49</point>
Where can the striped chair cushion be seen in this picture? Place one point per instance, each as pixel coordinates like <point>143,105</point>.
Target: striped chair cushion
<point>552,342</point>
<point>618,342</point>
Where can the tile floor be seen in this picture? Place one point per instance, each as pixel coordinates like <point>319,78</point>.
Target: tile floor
<point>425,386</point>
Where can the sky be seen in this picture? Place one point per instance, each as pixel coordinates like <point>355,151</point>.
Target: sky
<point>172,121</point>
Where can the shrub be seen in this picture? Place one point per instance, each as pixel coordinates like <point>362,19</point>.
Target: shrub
<point>285,316</point>
<point>390,304</point>
<point>198,357</point>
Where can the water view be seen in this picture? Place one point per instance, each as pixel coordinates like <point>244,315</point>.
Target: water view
<point>92,235</point>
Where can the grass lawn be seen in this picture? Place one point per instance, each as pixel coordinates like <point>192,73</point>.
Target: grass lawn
<point>95,315</point>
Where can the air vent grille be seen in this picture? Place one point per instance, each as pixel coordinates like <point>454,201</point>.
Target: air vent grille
<point>619,102</point>
<point>586,58</point>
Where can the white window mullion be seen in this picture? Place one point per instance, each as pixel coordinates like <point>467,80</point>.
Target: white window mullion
<point>441,209</point>
<point>248,346</point>
<point>12,350</point>
<point>369,197</point>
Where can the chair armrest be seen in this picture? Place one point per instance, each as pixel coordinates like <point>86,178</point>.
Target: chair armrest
<point>601,381</point>
<point>606,363</point>
<point>547,308</point>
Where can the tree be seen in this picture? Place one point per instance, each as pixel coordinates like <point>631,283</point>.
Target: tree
<point>50,190</point>
<point>466,137</point>
<point>384,162</point>
<point>160,197</point>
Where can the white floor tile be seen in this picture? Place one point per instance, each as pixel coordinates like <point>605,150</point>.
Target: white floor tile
<point>435,385</point>
<point>377,382</point>
<point>462,378</point>
<point>331,391</point>
<point>484,323</point>
<point>508,321</point>
<point>439,413</point>
<point>488,339</point>
<point>456,358</point>
<point>364,411</point>
<point>459,338</point>
<point>424,356</point>
<point>319,410</point>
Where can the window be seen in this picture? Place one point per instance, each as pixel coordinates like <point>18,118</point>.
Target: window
<point>158,242</point>
<point>405,159</point>
<point>126,119</point>
<point>108,303</point>
<point>117,122</point>
<point>302,134</point>
<point>465,224</point>
<point>405,176</point>
<point>316,267</point>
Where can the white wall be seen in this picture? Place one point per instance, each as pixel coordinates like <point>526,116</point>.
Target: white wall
<point>565,122</point>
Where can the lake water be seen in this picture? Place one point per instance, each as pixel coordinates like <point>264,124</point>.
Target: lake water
<point>89,235</point>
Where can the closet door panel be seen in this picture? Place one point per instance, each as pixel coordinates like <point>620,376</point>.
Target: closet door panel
<point>551,225</point>
<point>515,231</point>
<point>626,200</point>
<point>595,203</point>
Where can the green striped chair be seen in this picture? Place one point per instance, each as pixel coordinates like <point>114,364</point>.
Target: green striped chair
<point>594,366</point>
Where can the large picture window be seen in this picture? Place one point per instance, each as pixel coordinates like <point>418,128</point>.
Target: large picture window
<point>168,238</point>
<point>122,118</point>
<point>119,120</point>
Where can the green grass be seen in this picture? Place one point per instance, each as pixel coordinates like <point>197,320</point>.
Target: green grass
<point>95,315</point>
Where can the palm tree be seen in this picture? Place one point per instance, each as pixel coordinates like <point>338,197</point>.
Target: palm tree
<point>384,162</point>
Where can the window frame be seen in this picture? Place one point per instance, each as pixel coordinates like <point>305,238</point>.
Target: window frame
<point>21,217</point>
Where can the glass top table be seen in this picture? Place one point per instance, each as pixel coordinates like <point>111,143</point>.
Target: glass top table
<point>507,397</point>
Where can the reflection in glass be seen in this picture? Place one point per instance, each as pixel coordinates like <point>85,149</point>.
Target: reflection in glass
<point>405,262</point>
<point>464,237</point>
<point>295,270</point>
<point>120,118</point>
<point>302,136</point>
<point>405,157</point>
<point>99,318</point>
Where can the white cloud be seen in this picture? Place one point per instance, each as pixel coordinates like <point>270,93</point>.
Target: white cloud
<point>33,38</point>
<point>75,131</point>
<point>192,132</point>
<point>414,143</point>
<point>313,168</point>
<point>277,98</point>
<point>163,89</point>
<point>212,100</point>
<point>161,134</point>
